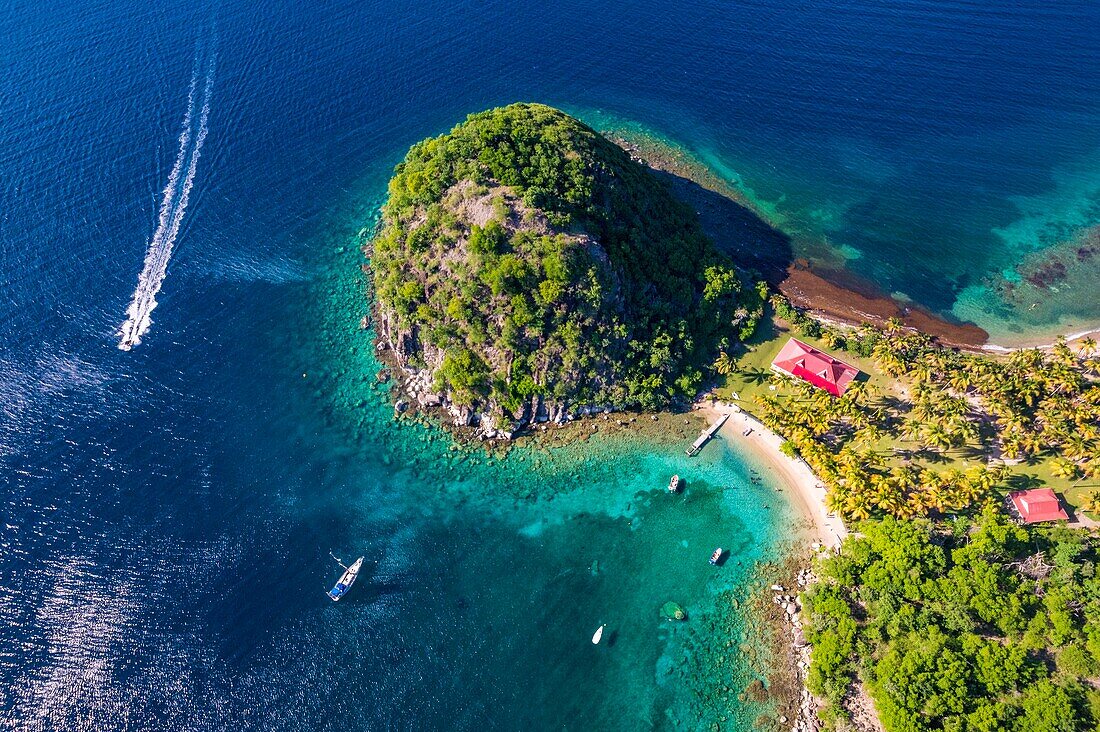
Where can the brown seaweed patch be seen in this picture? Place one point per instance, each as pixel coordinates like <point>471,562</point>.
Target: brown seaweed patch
<point>728,218</point>
<point>841,295</point>
<point>756,691</point>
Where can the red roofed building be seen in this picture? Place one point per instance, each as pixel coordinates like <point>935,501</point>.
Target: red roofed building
<point>1038,505</point>
<point>815,367</point>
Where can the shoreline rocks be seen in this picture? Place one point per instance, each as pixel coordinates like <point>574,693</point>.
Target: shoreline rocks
<point>799,649</point>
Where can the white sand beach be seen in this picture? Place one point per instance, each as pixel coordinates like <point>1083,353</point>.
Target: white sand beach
<point>807,490</point>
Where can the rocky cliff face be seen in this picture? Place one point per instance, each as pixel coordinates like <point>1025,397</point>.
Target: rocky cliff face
<point>416,368</point>
<point>473,207</point>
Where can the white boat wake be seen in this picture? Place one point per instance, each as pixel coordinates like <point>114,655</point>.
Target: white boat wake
<point>173,205</point>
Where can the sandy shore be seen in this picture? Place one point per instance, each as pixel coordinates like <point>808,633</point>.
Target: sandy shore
<point>807,490</point>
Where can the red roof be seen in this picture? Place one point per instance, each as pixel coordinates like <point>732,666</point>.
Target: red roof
<point>1037,505</point>
<point>816,367</point>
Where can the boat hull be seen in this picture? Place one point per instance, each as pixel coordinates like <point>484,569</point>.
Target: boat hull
<point>347,579</point>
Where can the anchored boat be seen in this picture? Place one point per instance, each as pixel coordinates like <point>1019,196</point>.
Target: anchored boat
<point>716,556</point>
<point>674,484</point>
<point>347,579</point>
<point>598,635</point>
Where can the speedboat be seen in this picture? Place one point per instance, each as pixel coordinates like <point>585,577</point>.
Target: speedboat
<point>347,579</point>
<point>716,556</point>
<point>674,484</point>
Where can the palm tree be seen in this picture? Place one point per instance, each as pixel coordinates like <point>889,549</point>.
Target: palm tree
<point>975,483</point>
<point>922,373</point>
<point>856,507</point>
<point>887,359</point>
<point>1076,446</point>
<point>935,436</point>
<point>723,364</point>
<point>856,392</point>
<point>960,380</point>
<point>1011,447</point>
<point>1027,360</point>
<point>1061,353</point>
<point>1062,468</point>
<point>1028,390</point>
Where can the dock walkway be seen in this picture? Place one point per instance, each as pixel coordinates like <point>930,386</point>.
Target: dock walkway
<point>708,433</point>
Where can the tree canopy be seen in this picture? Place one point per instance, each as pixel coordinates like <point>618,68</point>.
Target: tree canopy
<point>525,255</point>
<point>975,627</point>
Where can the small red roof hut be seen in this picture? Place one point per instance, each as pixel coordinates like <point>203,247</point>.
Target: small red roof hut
<point>803,361</point>
<point>1038,505</point>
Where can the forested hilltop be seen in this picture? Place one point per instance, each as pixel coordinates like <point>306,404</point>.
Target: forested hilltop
<point>526,267</point>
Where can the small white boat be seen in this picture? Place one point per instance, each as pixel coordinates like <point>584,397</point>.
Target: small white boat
<point>598,635</point>
<point>347,579</point>
<point>716,556</point>
<point>674,484</point>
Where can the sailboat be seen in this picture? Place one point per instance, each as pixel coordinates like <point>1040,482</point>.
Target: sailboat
<point>598,635</point>
<point>347,579</point>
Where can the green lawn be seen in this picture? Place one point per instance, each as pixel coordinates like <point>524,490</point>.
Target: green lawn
<point>754,360</point>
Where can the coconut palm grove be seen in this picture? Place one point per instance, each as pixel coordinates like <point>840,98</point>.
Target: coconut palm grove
<point>936,430</point>
<point>947,608</point>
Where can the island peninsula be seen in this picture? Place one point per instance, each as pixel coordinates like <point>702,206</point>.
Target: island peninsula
<point>528,269</point>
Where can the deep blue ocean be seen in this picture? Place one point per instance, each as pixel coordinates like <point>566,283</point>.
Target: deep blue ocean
<point>168,510</point>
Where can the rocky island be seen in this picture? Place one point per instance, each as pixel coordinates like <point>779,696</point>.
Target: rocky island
<point>528,269</point>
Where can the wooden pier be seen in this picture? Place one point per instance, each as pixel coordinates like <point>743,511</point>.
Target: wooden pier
<point>708,433</point>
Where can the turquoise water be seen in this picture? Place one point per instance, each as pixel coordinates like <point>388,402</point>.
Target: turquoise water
<point>972,264</point>
<point>532,549</point>
<point>168,510</point>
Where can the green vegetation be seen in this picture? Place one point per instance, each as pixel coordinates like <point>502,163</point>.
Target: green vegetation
<point>969,626</point>
<point>935,430</point>
<point>524,256</point>
<point>962,624</point>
